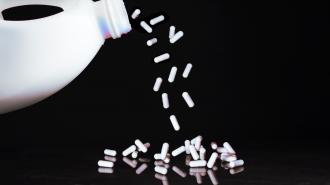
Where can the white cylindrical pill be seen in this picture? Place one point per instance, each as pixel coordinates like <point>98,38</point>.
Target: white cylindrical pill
<point>229,158</point>
<point>175,122</point>
<point>105,170</point>
<point>172,32</point>
<point>152,41</point>
<point>199,163</point>
<point>161,170</point>
<point>157,20</point>
<point>129,150</point>
<point>131,163</point>
<point>212,177</point>
<point>157,157</point>
<point>187,144</point>
<point>110,152</point>
<point>146,27</point>
<point>202,152</point>
<point>141,168</point>
<point>212,160</point>
<point>147,145</point>
<point>164,151</point>
<point>193,152</point>
<point>106,164</point>
<point>176,37</point>
<point>136,13</point>
<point>187,70</point>
<point>188,99</point>
<point>193,141</point>
<point>214,145</point>
<point>140,145</point>
<point>166,103</point>
<point>167,160</point>
<point>109,158</point>
<point>162,58</point>
<point>135,154</point>
<point>228,147</point>
<point>198,143</point>
<point>158,83</point>
<point>172,74</point>
<point>221,150</point>
<point>236,163</point>
<point>178,151</point>
<point>179,171</point>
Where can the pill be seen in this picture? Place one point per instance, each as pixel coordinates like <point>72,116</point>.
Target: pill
<point>212,160</point>
<point>202,152</point>
<point>172,32</point>
<point>221,150</point>
<point>198,143</point>
<point>140,145</point>
<point>109,158</point>
<point>157,20</point>
<point>228,147</point>
<point>152,41</point>
<point>229,158</point>
<point>146,27</point>
<point>179,171</point>
<point>193,141</point>
<point>187,70</point>
<point>136,13</point>
<point>131,163</point>
<point>135,154</point>
<point>167,160</point>
<point>187,144</point>
<point>193,152</point>
<point>188,99</point>
<point>129,150</point>
<point>237,163</point>
<point>165,101</point>
<point>198,163</point>
<point>212,177</point>
<point>157,157</point>
<point>172,75</point>
<point>164,151</point>
<point>160,177</point>
<point>176,37</point>
<point>110,152</point>
<point>147,145</point>
<point>198,178</point>
<point>234,171</point>
<point>161,170</point>
<point>178,151</point>
<point>158,83</point>
<point>105,170</point>
<point>214,145</point>
<point>141,168</point>
<point>106,164</point>
<point>175,122</point>
<point>162,58</point>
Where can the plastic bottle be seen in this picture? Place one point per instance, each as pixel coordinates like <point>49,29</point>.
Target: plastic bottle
<point>41,56</point>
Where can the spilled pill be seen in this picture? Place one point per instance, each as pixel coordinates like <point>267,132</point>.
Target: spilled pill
<point>175,122</point>
<point>188,99</point>
<point>228,147</point>
<point>152,41</point>
<point>172,75</point>
<point>172,32</point>
<point>162,58</point>
<point>202,152</point>
<point>165,101</point>
<point>157,157</point>
<point>136,13</point>
<point>187,70</point>
<point>140,145</point>
<point>106,164</point>
<point>135,154</point>
<point>146,27</point>
<point>221,150</point>
<point>164,151</point>
<point>212,160</point>
<point>198,163</point>
<point>176,37</point>
<point>193,152</point>
<point>110,152</point>
<point>187,144</point>
<point>158,83</point>
<point>178,151</point>
<point>214,145</point>
<point>129,150</point>
<point>161,170</point>
<point>157,20</point>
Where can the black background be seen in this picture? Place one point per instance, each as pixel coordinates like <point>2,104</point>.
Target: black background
<point>260,80</point>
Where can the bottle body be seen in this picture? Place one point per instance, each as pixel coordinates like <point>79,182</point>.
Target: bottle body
<point>40,57</point>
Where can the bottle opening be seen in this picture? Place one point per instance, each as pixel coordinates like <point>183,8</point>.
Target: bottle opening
<point>30,12</point>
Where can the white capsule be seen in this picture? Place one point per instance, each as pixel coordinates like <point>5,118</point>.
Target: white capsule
<point>164,151</point>
<point>212,177</point>
<point>166,103</point>
<point>236,163</point>
<point>140,145</point>
<point>212,160</point>
<point>110,152</point>
<point>152,41</point>
<point>172,74</point>
<point>179,171</point>
<point>202,152</point>
<point>187,70</point>
<point>214,145</point>
<point>158,83</point>
<point>146,27</point>
<point>141,168</point>
<point>105,170</point>
<point>157,20</point>
<point>193,141</point>
<point>199,163</point>
<point>129,150</point>
<point>161,170</point>
<point>178,151</point>
<point>188,99</point>
<point>229,158</point>
<point>198,143</point>
<point>162,58</point>
<point>131,163</point>
<point>175,123</point>
<point>176,37</point>
<point>228,147</point>
<point>147,145</point>
<point>172,32</point>
<point>157,157</point>
<point>136,13</point>
<point>109,158</point>
<point>221,150</point>
<point>106,164</point>
<point>167,160</point>
<point>193,152</point>
<point>187,144</point>
<point>135,154</point>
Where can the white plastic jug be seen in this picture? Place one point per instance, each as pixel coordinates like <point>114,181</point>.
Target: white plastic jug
<point>39,57</point>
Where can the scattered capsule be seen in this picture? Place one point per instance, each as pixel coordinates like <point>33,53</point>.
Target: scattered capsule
<point>146,27</point>
<point>221,150</point>
<point>187,144</point>
<point>158,83</point>
<point>135,154</point>
<point>167,160</point>
<point>172,75</point>
<point>176,37</point>
<point>106,164</point>
<point>161,170</point>
<point>236,163</point>
<point>202,152</point>
<point>166,103</point>
<point>179,171</point>
<point>187,70</point>
<point>136,13</point>
<point>141,168</point>
<point>140,145</point>
<point>109,152</point>
<point>162,58</point>
<point>172,32</point>
<point>152,42</point>
<point>164,151</point>
<point>178,151</point>
<point>229,158</point>
<point>129,150</point>
<point>193,152</point>
<point>157,20</point>
<point>188,99</point>
<point>198,163</point>
<point>228,147</point>
<point>212,160</point>
<point>193,141</point>
<point>175,122</point>
<point>214,145</point>
<point>157,157</point>
<point>198,143</point>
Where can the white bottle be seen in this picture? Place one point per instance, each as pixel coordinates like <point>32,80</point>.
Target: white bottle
<point>39,57</point>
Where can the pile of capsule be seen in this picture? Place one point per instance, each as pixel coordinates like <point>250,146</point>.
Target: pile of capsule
<point>173,38</point>
<point>196,159</point>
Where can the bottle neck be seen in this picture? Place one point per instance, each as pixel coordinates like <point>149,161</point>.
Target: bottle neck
<point>112,18</point>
